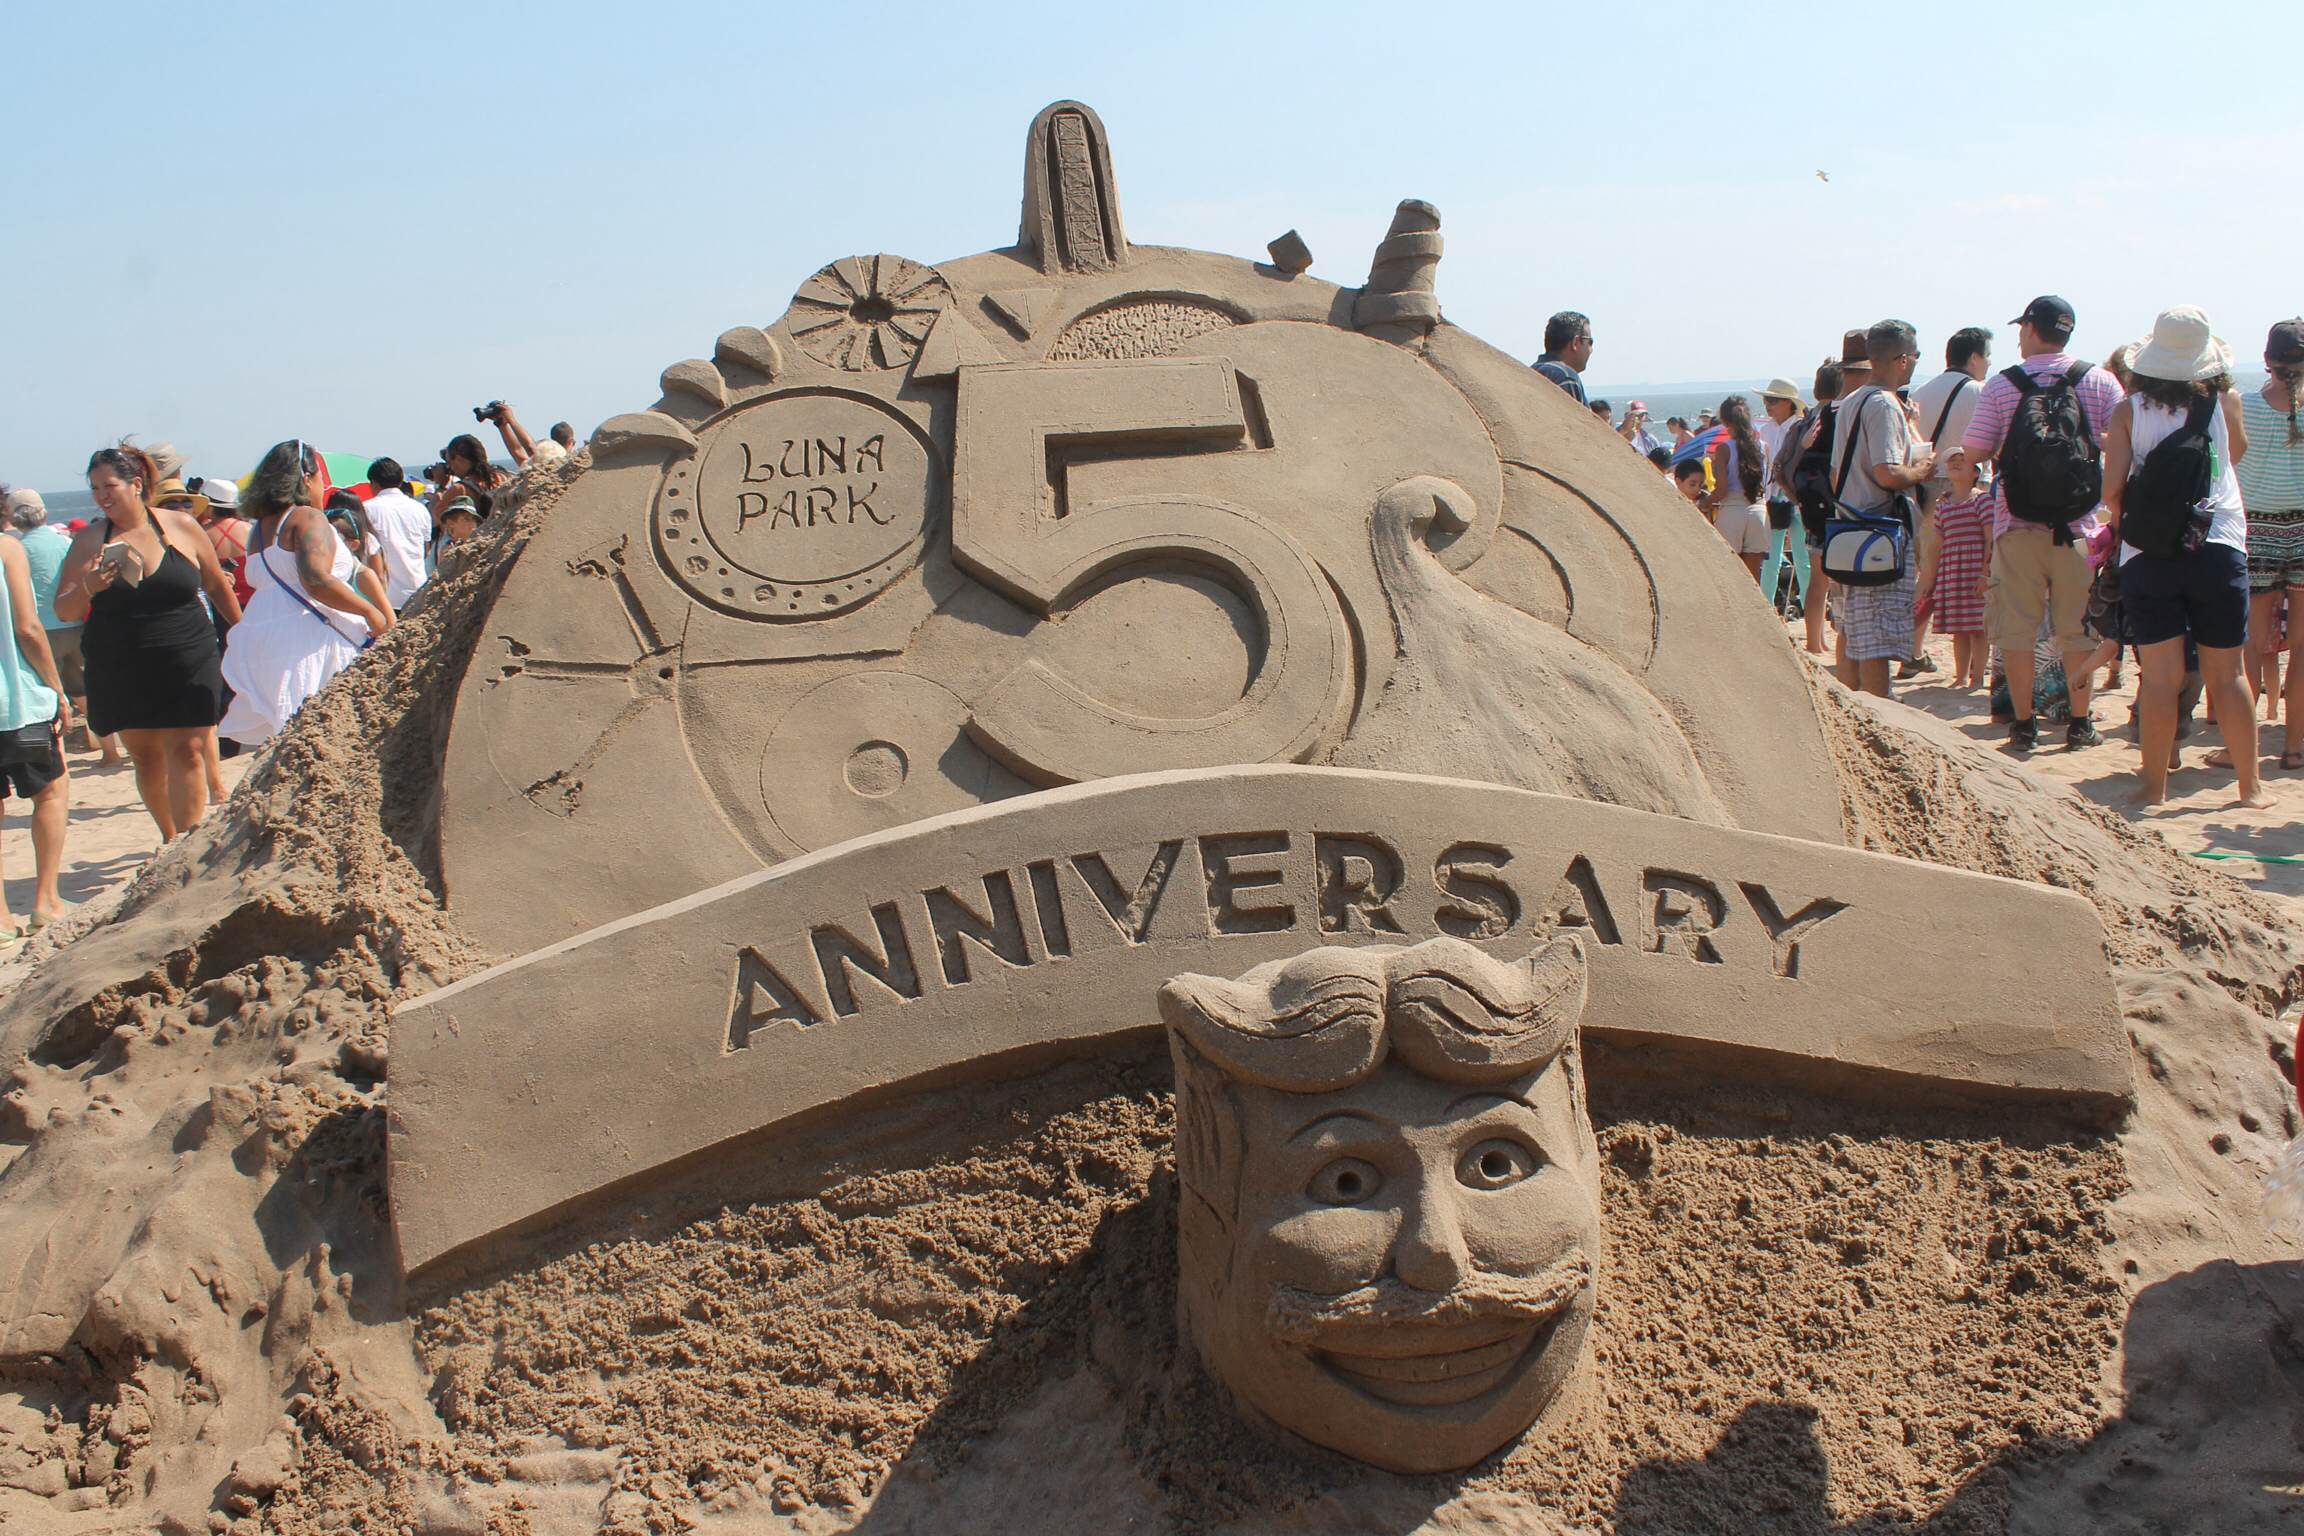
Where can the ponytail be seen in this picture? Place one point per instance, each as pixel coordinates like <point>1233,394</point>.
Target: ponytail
<point>129,462</point>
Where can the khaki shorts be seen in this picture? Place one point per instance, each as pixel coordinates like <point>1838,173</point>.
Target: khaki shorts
<point>64,645</point>
<point>2032,576</point>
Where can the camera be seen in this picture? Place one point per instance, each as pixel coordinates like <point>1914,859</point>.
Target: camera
<point>487,412</point>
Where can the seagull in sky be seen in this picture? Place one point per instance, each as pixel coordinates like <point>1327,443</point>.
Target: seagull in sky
<point>1823,176</point>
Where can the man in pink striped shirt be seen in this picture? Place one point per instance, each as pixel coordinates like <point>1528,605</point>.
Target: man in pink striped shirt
<point>2038,569</point>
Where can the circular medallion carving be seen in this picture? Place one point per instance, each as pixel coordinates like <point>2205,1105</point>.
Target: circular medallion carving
<point>867,312</point>
<point>798,506</point>
<point>872,750</point>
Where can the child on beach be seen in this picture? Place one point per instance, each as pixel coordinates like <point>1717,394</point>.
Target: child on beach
<point>1952,584</point>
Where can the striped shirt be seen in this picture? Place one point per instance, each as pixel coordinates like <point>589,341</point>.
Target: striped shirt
<point>2272,475</point>
<point>1987,430</point>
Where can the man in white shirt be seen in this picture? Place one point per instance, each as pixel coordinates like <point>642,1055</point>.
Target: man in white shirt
<point>402,530</point>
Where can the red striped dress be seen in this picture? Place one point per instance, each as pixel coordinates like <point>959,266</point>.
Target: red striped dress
<point>1958,596</point>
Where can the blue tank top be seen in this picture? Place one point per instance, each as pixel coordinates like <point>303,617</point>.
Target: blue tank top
<point>24,699</point>
<point>45,548</point>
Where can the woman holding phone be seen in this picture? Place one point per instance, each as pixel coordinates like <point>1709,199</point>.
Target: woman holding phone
<point>136,575</point>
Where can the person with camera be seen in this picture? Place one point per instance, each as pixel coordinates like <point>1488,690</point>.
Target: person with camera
<point>136,576</point>
<point>35,713</point>
<point>469,474</point>
<point>517,442</point>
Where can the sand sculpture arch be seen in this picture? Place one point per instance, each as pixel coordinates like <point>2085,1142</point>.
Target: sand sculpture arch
<point>943,534</point>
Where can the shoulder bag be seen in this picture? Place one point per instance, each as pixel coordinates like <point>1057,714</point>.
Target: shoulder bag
<point>1865,548</point>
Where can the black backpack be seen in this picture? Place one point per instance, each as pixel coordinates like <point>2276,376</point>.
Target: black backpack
<point>2160,512</point>
<point>1811,477</point>
<point>2050,472</point>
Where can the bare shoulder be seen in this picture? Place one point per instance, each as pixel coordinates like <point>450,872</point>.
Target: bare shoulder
<point>181,529</point>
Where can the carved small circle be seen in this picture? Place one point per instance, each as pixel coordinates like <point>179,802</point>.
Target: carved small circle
<point>876,769</point>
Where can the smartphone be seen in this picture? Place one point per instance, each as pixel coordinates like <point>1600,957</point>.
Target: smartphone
<point>123,560</point>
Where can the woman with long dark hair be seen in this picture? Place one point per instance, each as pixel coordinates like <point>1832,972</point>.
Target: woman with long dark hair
<point>2272,484</point>
<point>137,574</point>
<point>2183,555</point>
<point>1737,502</point>
<point>470,473</point>
<point>316,606</point>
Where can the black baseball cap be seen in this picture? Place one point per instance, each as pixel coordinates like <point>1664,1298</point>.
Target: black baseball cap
<point>2049,315</point>
<point>2284,348</point>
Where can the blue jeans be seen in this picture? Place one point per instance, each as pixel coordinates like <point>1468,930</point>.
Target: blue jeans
<point>1786,544</point>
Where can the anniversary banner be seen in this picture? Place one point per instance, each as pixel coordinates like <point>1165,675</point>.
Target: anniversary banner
<point>1047,923</point>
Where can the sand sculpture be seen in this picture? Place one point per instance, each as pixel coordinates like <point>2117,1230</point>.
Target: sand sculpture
<point>683,1035</point>
<point>1205,542</point>
<point>1389,1193</point>
<point>943,535</point>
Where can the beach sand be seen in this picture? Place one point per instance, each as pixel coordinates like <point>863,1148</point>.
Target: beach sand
<point>110,840</point>
<point>2203,813</point>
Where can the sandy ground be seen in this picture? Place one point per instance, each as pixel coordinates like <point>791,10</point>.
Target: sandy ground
<point>110,839</point>
<point>2203,813</point>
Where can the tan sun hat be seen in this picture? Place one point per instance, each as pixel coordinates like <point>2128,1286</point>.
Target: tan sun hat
<point>173,489</point>
<point>2181,347</point>
<point>1782,389</point>
<point>26,502</point>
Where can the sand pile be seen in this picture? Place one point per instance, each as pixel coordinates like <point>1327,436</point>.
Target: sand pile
<point>954,1313</point>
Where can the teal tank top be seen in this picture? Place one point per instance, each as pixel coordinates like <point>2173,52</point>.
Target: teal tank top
<point>24,699</point>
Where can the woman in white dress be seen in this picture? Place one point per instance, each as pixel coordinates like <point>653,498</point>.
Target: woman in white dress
<point>315,609</point>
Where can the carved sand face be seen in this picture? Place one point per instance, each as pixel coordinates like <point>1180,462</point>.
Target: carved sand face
<point>1389,1219</point>
<point>1409,1281</point>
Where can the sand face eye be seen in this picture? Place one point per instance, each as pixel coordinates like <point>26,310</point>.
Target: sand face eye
<point>1497,1163</point>
<point>1346,1181</point>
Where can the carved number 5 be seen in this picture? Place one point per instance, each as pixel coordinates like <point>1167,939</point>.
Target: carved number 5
<point>1015,422</point>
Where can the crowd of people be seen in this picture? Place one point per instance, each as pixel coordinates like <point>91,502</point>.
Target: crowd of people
<point>193,616</point>
<point>2046,518</point>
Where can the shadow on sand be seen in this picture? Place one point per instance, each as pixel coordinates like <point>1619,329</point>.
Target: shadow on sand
<point>1070,1418</point>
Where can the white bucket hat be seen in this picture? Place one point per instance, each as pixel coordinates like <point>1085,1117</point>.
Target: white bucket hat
<point>2181,347</point>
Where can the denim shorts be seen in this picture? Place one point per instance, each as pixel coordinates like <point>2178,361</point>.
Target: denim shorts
<point>2203,594</point>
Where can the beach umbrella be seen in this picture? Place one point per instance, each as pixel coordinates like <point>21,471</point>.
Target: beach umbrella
<point>348,471</point>
<point>1697,446</point>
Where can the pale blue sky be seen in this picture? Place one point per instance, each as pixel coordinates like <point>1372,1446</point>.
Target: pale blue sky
<point>232,223</point>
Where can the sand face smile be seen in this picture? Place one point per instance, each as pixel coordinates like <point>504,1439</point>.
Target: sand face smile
<point>1439,1367</point>
<point>1443,1373</point>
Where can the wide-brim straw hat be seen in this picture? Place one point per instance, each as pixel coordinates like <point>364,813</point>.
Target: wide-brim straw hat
<point>2181,347</point>
<point>1782,389</point>
<point>173,490</point>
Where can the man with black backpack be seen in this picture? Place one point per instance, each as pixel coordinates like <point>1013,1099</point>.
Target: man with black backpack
<point>2042,422</point>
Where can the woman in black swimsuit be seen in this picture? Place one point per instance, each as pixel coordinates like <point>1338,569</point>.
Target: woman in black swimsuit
<point>149,645</point>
